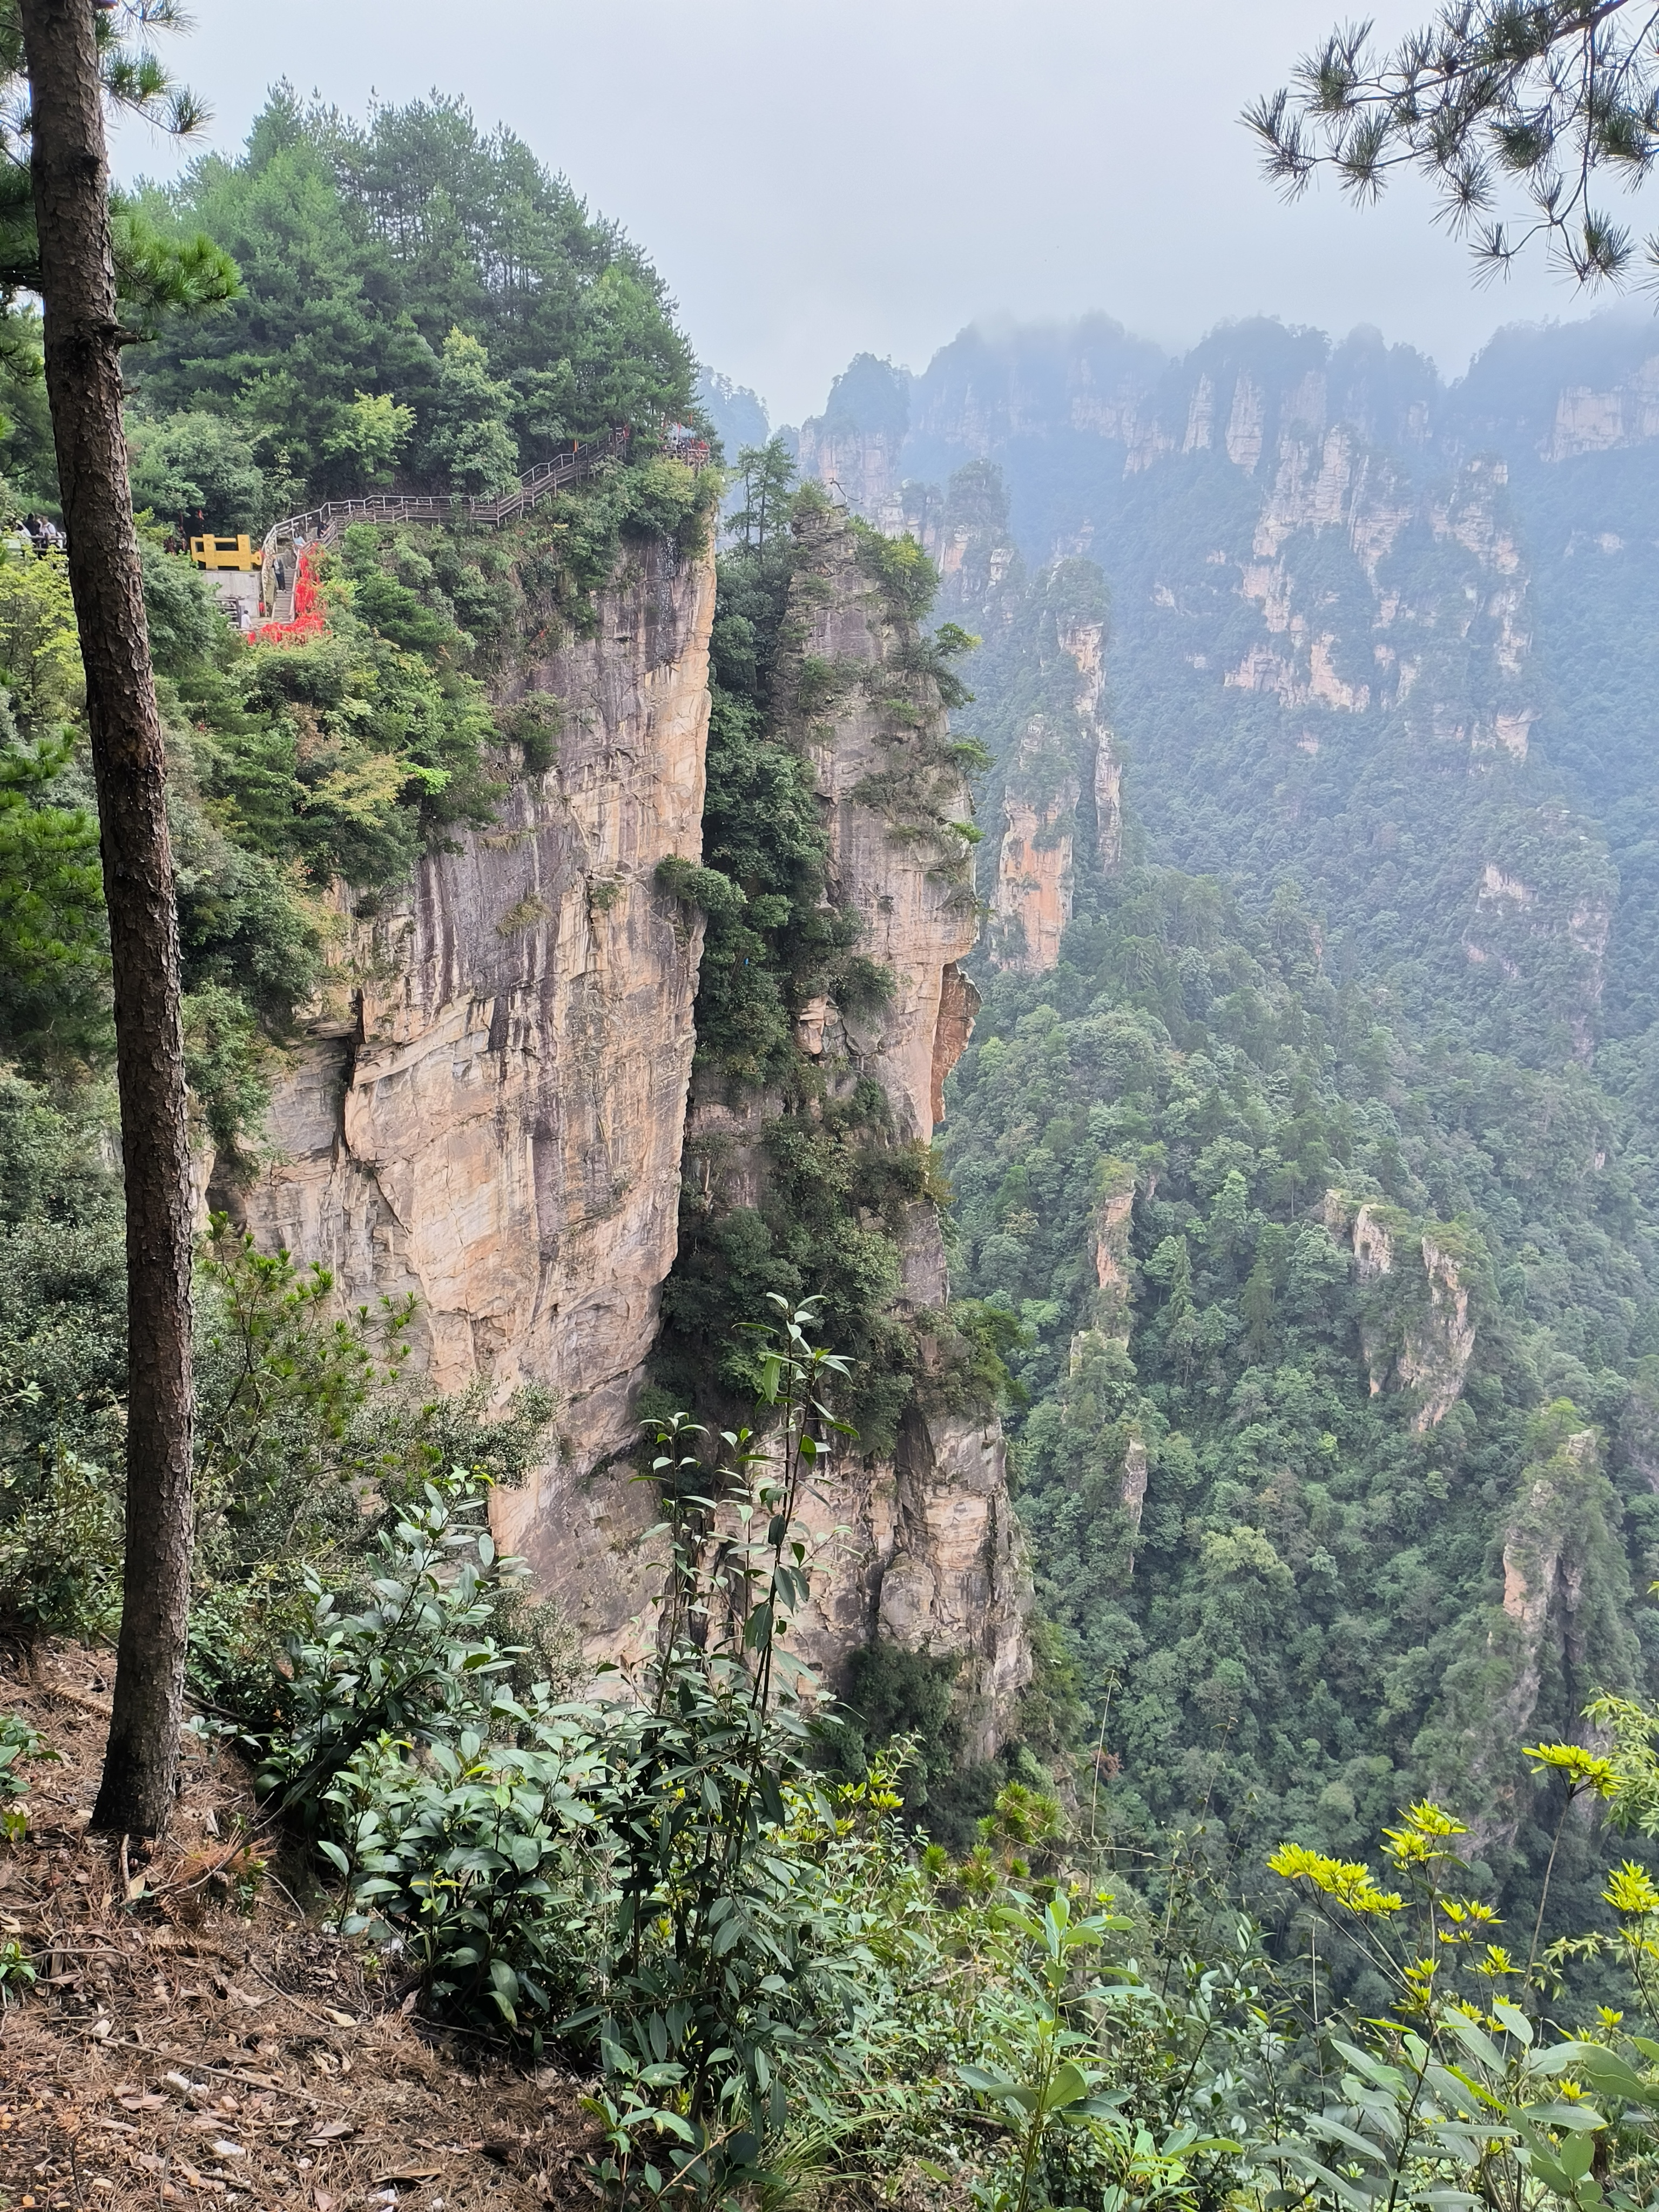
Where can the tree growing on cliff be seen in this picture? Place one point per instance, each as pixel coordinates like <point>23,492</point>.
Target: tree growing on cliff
<point>768,476</point>
<point>471,441</point>
<point>73,61</point>
<point>1545,100</point>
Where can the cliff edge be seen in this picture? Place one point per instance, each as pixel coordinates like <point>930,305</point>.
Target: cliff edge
<point>488,1111</point>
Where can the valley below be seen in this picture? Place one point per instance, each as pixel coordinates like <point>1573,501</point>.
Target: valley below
<point>924,1153</point>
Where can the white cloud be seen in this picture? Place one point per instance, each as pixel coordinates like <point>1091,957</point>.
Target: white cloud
<point>819,177</point>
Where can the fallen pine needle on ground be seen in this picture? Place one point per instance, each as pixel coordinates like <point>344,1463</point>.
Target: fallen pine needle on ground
<point>193,2038</point>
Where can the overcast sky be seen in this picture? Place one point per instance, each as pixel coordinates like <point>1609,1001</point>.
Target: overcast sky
<point>816,177</point>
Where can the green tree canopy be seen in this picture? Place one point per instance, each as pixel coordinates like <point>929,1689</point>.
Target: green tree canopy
<point>363,248</point>
<point>471,441</point>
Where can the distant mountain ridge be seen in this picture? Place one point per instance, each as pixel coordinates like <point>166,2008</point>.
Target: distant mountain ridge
<point>1311,1120</point>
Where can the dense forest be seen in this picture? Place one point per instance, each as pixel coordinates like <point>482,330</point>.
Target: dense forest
<point>1317,1170</point>
<point>1297,1186</point>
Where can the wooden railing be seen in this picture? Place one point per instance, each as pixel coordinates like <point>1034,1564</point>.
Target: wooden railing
<point>322,526</point>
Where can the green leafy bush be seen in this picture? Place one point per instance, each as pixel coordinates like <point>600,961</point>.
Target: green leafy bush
<point>409,1663</point>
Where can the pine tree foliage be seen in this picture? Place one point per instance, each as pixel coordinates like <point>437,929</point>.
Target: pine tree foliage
<point>1549,105</point>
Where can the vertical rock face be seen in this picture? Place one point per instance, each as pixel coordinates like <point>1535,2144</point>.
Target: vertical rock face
<point>854,447</point>
<point>490,1116</point>
<point>1416,1330</point>
<point>862,466</point>
<point>929,1553</point>
<point>489,1112</point>
<point>958,1003</point>
<point>1113,1267</point>
<point>894,802</point>
<point>923,1549</point>
<point>1434,1358</point>
<point>1032,902</point>
<point>1031,899</point>
<point>1108,798</point>
<point>1560,1632</point>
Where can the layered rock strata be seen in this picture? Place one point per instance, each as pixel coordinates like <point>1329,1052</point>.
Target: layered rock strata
<point>921,1544</point>
<point>488,1113</point>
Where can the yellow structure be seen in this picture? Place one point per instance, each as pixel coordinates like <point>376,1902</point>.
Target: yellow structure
<point>222,553</point>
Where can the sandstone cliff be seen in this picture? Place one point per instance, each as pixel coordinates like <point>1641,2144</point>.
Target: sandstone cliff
<point>1315,552</point>
<point>895,807</point>
<point>1559,1632</point>
<point>860,465</point>
<point>488,1113</point>
<point>1416,1332</point>
<point>854,447</point>
<point>1061,753</point>
<point>1032,901</point>
<point>928,1552</point>
<point>490,1108</point>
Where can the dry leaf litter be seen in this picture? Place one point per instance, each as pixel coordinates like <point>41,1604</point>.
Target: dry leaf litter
<point>196,2038</point>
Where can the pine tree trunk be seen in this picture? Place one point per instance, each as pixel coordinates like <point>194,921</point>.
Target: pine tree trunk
<point>83,384</point>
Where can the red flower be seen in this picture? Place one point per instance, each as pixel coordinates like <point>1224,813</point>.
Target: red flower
<point>309,618</point>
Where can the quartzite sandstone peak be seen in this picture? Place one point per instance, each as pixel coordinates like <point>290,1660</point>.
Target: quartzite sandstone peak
<point>494,1121</point>
<point>932,1557</point>
<point>489,1113</point>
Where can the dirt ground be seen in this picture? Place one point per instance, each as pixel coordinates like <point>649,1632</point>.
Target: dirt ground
<point>195,2038</point>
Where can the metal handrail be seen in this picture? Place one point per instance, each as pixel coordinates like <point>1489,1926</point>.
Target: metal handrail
<point>323,525</point>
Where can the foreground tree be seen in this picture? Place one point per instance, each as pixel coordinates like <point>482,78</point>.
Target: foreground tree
<point>83,333</point>
<point>1537,103</point>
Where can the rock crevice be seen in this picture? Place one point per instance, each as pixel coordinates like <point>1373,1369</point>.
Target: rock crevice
<point>495,1126</point>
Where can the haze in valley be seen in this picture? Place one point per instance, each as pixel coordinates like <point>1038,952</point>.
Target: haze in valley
<point>819,177</point>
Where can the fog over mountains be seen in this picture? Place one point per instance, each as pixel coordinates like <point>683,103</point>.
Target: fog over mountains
<point>1311,1120</point>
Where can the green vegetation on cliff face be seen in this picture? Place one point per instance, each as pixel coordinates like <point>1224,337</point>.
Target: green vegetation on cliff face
<point>1318,1166</point>
<point>420,305</point>
<point>814,1190</point>
<point>304,765</point>
<point>387,327</point>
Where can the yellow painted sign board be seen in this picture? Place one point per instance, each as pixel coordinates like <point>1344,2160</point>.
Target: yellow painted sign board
<point>222,553</point>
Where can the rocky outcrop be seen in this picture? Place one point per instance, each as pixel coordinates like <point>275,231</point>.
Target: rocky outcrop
<point>1108,798</point>
<point>1031,904</point>
<point>1434,1359</point>
<point>919,1544</point>
<point>895,805</point>
<point>853,448</point>
<point>958,1004</point>
<point>1132,1488</point>
<point>860,466</point>
<point>1416,1333</point>
<point>1109,1240</point>
<point>1563,1632</point>
<point>489,1110</point>
<point>923,1549</point>
<point>1107,1338</point>
<point>488,1113</point>
<point>1558,1632</point>
<point>1512,924</point>
<point>1032,896</point>
<point>1541,1568</point>
<point>1591,422</point>
<point>1084,643</point>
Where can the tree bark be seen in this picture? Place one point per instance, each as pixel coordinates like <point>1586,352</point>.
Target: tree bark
<point>84,385</point>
